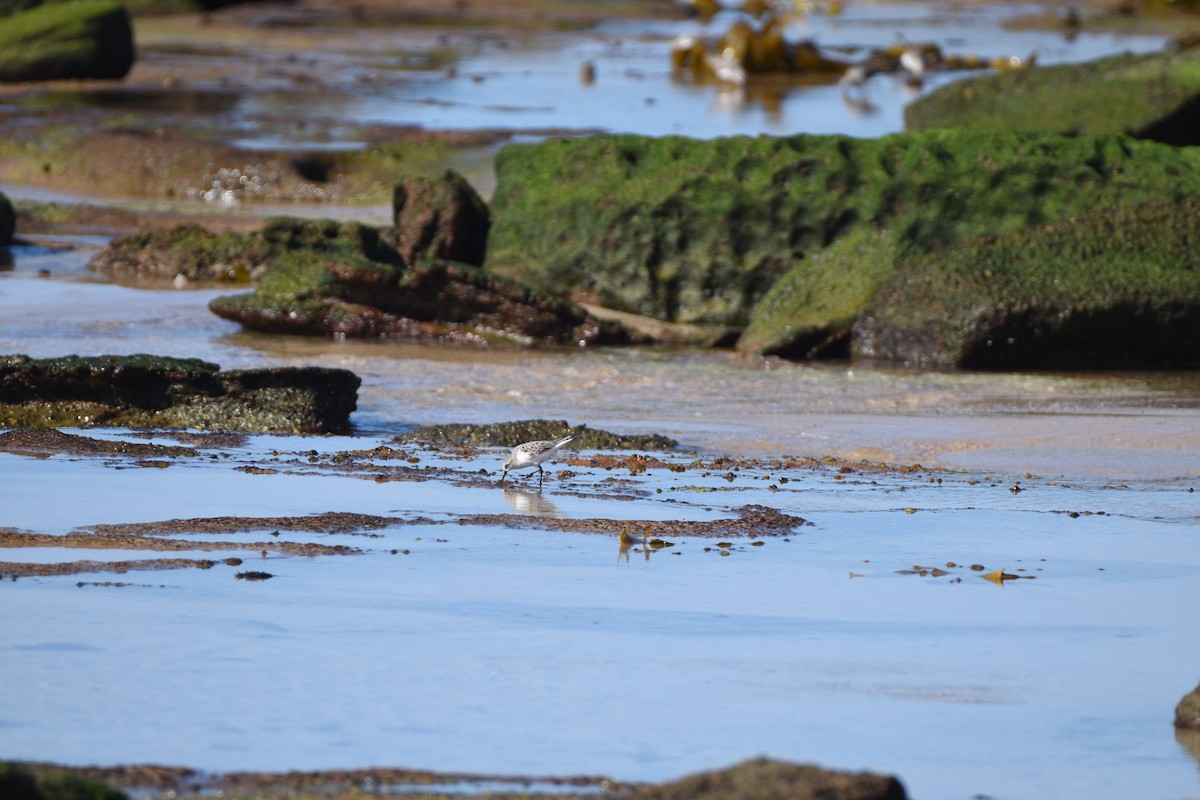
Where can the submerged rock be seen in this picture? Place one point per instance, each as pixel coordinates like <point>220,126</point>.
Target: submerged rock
<point>68,40</point>
<point>440,219</point>
<point>1154,96</point>
<point>334,279</point>
<point>698,231</point>
<point>145,391</point>
<point>766,779</point>
<point>509,434</point>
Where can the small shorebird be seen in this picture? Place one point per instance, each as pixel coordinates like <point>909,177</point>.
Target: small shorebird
<point>532,454</point>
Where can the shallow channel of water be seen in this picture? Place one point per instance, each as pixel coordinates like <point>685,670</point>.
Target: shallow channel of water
<point>507,650</point>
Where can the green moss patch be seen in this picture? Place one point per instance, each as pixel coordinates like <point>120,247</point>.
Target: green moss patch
<point>77,39</point>
<point>1117,288</point>
<point>1154,96</point>
<point>699,231</point>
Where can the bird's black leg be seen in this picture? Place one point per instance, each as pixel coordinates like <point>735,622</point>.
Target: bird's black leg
<point>541,475</point>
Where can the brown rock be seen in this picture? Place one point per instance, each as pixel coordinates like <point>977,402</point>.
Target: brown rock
<point>1187,713</point>
<point>765,779</point>
<point>440,218</point>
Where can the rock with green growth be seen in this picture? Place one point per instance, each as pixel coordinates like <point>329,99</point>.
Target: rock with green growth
<point>38,782</point>
<point>68,40</point>
<point>698,231</point>
<point>1119,288</point>
<point>440,218</point>
<point>186,252</point>
<point>146,391</point>
<point>8,221</point>
<point>810,311</point>
<point>764,778</point>
<point>510,434</point>
<point>336,279</point>
<point>1154,96</point>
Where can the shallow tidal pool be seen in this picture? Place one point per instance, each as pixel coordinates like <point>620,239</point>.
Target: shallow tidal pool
<point>868,639</point>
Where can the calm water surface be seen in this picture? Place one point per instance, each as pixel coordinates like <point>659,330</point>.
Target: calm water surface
<point>511,651</point>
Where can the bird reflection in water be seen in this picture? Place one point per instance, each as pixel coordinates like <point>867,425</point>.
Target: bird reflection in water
<point>531,504</point>
<point>629,539</point>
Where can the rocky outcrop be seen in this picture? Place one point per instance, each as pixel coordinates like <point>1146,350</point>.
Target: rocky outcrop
<point>1116,289</point>
<point>143,391</point>
<point>334,279</point>
<point>69,40</point>
<point>1154,96</point>
<point>1113,289</point>
<point>767,779</point>
<point>699,231</point>
<point>440,219</point>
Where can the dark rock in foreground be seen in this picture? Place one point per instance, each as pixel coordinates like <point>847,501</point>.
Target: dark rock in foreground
<point>336,279</point>
<point>68,40</point>
<point>510,434</point>
<point>1154,96</point>
<point>765,779</point>
<point>440,219</point>
<point>144,391</point>
<point>20,782</point>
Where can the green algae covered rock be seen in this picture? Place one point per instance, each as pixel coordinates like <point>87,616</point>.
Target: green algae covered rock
<point>68,40</point>
<point>698,231</point>
<point>185,253</point>
<point>147,391</point>
<point>41,782</point>
<point>810,311</point>
<point>508,434</point>
<point>8,221</point>
<point>333,279</point>
<point>1155,96</point>
<point>1119,288</point>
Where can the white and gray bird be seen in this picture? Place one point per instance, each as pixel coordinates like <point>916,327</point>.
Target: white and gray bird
<point>532,454</point>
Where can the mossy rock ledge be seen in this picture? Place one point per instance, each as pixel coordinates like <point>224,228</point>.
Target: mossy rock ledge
<point>1153,96</point>
<point>147,391</point>
<point>695,231</point>
<point>1118,288</point>
<point>346,279</point>
<point>77,39</point>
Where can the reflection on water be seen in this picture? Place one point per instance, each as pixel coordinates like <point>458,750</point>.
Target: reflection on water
<point>1189,741</point>
<point>531,503</point>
